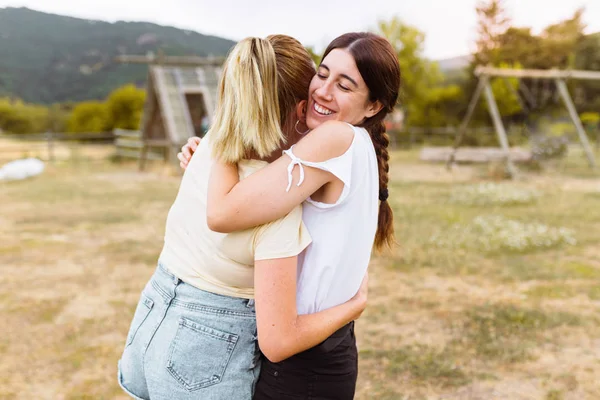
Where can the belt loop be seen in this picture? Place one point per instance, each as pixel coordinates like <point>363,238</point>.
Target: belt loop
<point>250,303</point>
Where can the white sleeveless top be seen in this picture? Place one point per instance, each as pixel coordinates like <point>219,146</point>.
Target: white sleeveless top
<point>331,269</point>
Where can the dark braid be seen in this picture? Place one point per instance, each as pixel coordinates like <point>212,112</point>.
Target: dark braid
<point>385,224</point>
<point>378,65</point>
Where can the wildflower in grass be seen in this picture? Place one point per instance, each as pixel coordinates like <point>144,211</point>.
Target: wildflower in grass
<point>489,194</point>
<point>497,233</point>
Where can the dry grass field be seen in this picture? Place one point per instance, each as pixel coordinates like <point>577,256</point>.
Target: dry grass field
<point>492,293</point>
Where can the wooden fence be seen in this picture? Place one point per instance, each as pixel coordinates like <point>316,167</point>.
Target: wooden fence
<point>52,147</point>
<point>48,146</point>
<point>408,137</point>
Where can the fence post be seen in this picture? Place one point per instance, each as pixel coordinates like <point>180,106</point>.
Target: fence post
<point>50,145</point>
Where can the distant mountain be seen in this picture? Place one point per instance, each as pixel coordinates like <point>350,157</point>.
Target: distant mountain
<point>47,58</point>
<point>454,63</point>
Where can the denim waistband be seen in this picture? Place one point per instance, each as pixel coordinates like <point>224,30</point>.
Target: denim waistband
<point>173,290</point>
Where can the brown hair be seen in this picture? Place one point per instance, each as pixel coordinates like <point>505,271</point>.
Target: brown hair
<point>261,83</point>
<point>295,70</point>
<point>378,65</point>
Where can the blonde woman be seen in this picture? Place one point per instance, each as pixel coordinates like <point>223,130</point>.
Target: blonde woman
<point>339,171</point>
<point>194,332</point>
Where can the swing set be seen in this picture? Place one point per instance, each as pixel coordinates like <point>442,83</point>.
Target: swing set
<point>485,74</point>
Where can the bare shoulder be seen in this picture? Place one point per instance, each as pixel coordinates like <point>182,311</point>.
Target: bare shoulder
<point>329,140</point>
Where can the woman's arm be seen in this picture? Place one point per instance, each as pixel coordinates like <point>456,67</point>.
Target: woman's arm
<point>281,331</point>
<point>262,197</point>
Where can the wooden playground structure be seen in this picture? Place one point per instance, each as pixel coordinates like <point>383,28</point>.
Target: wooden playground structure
<point>485,74</point>
<point>180,102</point>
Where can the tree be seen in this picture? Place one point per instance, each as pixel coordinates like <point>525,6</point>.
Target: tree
<point>91,116</point>
<point>12,120</point>
<point>421,78</point>
<point>587,57</point>
<point>19,117</point>
<point>125,107</point>
<point>442,107</point>
<point>519,45</point>
<point>492,22</point>
<point>494,35</point>
<point>315,57</point>
<point>505,93</point>
<point>560,41</point>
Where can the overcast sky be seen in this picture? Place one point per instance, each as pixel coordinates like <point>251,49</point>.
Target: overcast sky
<point>448,24</point>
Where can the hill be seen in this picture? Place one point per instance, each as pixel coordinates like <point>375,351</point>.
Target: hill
<point>47,58</point>
<point>454,63</point>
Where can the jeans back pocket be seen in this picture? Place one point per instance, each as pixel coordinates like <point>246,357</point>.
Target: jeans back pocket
<point>199,355</point>
<point>141,313</point>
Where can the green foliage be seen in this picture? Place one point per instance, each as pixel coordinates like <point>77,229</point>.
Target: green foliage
<point>440,108</point>
<point>91,116</point>
<point>315,57</point>
<point>125,107</point>
<point>493,21</point>
<point>562,45</point>
<point>590,119</point>
<point>19,117</point>
<point>505,93</point>
<point>424,98</point>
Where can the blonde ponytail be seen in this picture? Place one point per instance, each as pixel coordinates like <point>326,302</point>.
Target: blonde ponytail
<point>247,118</point>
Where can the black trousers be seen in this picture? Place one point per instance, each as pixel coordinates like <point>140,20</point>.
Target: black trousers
<point>325,372</point>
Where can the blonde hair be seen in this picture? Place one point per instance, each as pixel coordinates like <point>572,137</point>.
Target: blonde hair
<point>262,81</point>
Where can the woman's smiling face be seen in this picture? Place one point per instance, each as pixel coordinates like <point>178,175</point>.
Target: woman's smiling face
<point>338,92</point>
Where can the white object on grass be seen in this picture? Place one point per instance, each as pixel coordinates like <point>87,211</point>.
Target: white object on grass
<point>21,169</point>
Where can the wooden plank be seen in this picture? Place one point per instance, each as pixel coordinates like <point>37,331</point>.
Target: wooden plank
<point>495,114</point>
<point>164,102</point>
<point>537,73</point>
<point>449,130</point>
<point>49,138</point>
<point>527,94</point>
<point>184,104</point>
<point>564,92</point>
<point>473,154</point>
<point>465,122</point>
<point>136,154</point>
<point>59,137</point>
<point>170,60</point>
<point>127,133</point>
<point>157,142</point>
<point>128,143</point>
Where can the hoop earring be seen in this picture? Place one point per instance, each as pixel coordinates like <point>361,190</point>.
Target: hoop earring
<point>296,128</point>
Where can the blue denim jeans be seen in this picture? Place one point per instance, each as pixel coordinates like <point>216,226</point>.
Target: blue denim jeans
<point>186,343</point>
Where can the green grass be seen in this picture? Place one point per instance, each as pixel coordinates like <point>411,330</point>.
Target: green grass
<point>555,395</point>
<point>424,365</point>
<point>506,333</point>
<point>565,291</point>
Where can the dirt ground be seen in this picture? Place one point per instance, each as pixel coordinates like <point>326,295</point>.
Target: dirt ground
<point>78,243</point>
